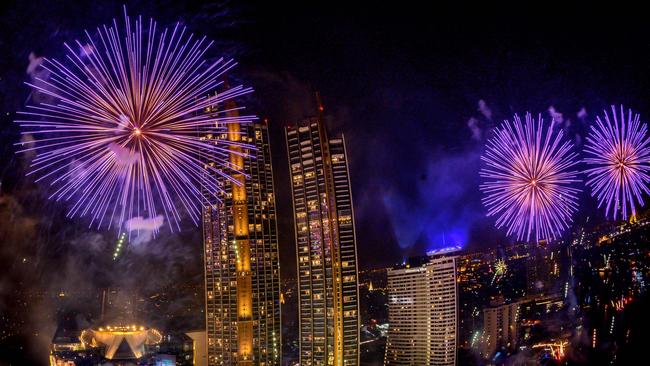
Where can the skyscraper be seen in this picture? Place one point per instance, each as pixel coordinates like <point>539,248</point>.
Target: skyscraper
<point>325,245</point>
<point>241,256</point>
<point>423,312</point>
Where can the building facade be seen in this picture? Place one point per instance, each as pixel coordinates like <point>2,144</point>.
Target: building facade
<point>242,274</point>
<point>423,313</point>
<point>500,328</point>
<point>325,245</point>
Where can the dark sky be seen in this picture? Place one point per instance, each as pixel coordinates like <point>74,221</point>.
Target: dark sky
<point>401,81</point>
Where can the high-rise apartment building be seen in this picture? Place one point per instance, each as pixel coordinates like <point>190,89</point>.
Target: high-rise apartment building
<point>326,246</point>
<point>242,274</point>
<point>500,327</point>
<point>423,312</point>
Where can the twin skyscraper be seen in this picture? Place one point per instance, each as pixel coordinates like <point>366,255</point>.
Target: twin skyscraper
<point>242,270</point>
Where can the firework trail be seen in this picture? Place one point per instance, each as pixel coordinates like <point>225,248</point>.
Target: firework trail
<point>529,179</point>
<point>618,156</point>
<point>124,137</point>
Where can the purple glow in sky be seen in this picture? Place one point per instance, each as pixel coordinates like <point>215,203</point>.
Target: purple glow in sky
<point>618,156</point>
<point>122,130</point>
<point>529,174</point>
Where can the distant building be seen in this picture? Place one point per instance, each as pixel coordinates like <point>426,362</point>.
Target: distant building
<point>119,345</point>
<point>373,303</point>
<point>374,296</point>
<point>199,338</point>
<point>242,271</point>
<point>67,349</point>
<point>118,305</point>
<point>121,342</point>
<point>500,327</point>
<point>474,277</point>
<point>423,312</point>
<point>543,269</point>
<point>326,246</point>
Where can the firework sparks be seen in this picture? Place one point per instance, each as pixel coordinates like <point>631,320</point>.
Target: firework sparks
<point>124,137</point>
<point>618,154</point>
<point>500,269</point>
<point>529,179</point>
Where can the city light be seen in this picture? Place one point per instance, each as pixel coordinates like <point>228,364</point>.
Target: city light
<point>556,349</point>
<point>417,220</point>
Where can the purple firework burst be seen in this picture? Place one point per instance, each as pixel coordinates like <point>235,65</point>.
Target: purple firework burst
<point>128,118</point>
<point>529,177</point>
<point>618,155</point>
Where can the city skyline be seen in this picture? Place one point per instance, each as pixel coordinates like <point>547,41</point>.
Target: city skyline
<point>402,104</point>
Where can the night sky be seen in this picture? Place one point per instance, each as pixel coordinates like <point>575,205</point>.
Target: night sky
<point>415,91</point>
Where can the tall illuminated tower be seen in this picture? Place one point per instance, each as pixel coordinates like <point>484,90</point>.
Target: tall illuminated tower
<point>423,312</point>
<point>325,244</point>
<point>242,274</point>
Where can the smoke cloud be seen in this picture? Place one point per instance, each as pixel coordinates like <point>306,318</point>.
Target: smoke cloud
<point>123,155</point>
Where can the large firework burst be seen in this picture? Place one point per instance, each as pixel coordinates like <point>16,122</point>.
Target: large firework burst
<point>529,179</point>
<point>618,153</point>
<point>129,112</point>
